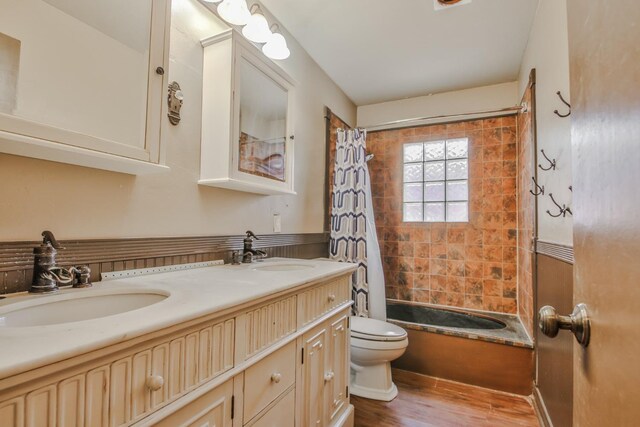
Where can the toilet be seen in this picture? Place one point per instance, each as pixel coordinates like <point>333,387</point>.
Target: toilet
<point>374,345</point>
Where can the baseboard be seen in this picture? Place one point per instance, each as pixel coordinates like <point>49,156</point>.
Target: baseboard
<point>346,419</point>
<point>540,408</point>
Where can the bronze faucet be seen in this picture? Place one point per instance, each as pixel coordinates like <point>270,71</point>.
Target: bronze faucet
<point>248,253</point>
<point>47,275</point>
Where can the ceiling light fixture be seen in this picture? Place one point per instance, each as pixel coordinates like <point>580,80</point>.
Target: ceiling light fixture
<point>276,46</point>
<point>212,1</point>
<point>448,4</point>
<point>257,29</point>
<point>235,12</point>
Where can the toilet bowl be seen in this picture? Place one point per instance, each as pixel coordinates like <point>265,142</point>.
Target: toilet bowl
<point>374,344</point>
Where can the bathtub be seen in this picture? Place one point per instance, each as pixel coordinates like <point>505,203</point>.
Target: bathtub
<point>485,349</point>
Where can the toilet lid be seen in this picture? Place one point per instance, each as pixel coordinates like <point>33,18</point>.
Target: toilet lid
<point>376,330</point>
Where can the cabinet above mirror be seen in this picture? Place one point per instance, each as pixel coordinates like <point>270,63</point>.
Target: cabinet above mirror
<point>247,132</point>
<point>84,82</point>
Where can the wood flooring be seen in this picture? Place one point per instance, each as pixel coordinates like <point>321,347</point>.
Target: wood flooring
<point>431,402</point>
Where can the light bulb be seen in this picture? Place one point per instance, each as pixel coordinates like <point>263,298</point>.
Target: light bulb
<point>276,47</point>
<point>235,12</point>
<point>257,30</point>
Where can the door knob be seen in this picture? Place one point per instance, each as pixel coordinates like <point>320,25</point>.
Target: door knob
<point>577,322</point>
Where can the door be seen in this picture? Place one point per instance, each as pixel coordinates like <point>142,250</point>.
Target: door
<point>605,137</point>
<point>337,374</point>
<point>314,365</point>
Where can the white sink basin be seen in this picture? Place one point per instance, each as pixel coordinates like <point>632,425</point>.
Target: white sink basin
<point>284,267</point>
<point>75,307</point>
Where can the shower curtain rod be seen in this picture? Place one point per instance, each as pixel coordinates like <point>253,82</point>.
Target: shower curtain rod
<point>515,108</point>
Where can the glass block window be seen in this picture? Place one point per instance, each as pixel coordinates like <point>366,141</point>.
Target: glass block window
<point>436,181</point>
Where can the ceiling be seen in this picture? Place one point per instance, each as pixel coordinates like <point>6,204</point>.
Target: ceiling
<point>382,50</point>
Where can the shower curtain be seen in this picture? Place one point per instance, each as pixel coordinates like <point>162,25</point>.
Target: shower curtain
<point>353,234</point>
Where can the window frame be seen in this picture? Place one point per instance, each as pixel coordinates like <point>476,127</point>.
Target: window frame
<point>446,161</point>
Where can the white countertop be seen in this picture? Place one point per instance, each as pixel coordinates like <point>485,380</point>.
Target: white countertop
<point>192,294</point>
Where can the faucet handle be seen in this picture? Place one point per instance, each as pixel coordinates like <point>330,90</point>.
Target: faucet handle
<point>252,234</point>
<point>81,276</point>
<point>236,257</point>
<point>48,237</point>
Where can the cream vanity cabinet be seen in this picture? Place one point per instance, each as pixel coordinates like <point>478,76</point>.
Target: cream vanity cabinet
<point>85,82</point>
<point>325,372</point>
<point>247,124</point>
<point>279,362</point>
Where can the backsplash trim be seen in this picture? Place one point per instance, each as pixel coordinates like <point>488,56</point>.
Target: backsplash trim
<point>105,255</point>
<point>555,250</point>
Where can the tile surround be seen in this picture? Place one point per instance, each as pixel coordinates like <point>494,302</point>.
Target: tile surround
<point>470,265</point>
<point>526,211</point>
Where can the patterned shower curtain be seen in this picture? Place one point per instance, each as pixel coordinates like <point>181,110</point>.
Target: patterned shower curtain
<point>348,211</point>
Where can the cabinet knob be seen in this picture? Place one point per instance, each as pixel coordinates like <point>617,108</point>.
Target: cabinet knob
<point>332,297</point>
<point>328,376</point>
<point>154,382</point>
<point>276,377</point>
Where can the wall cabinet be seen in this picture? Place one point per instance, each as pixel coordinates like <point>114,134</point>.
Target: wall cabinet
<point>85,82</point>
<point>205,373</point>
<point>247,123</point>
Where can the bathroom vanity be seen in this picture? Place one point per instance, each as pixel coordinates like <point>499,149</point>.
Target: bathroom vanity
<point>261,344</point>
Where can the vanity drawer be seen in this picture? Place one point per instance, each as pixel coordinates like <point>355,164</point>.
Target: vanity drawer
<point>282,414</point>
<point>268,379</point>
<point>213,408</point>
<point>126,388</point>
<point>323,298</point>
<point>269,323</point>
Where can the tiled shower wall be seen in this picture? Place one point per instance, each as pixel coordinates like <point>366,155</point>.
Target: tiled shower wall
<point>470,265</point>
<point>526,210</point>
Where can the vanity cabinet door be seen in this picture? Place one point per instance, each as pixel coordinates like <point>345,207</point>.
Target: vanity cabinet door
<point>338,372</point>
<point>314,366</point>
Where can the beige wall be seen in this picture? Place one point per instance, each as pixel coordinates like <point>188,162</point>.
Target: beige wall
<point>77,202</point>
<point>447,103</point>
<point>548,52</point>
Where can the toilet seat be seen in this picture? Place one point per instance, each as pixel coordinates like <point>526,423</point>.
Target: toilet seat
<point>368,329</point>
<point>378,345</point>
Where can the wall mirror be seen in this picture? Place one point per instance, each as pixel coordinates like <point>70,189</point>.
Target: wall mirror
<point>263,124</point>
